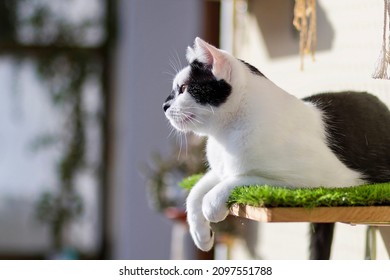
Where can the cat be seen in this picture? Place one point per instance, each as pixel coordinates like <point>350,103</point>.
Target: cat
<point>257,133</point>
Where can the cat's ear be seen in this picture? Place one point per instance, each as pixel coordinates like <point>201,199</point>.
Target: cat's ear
<point>217,59</point>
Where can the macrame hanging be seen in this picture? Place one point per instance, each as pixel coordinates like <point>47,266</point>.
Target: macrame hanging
<point>383,61</point>
<point>305,21</point>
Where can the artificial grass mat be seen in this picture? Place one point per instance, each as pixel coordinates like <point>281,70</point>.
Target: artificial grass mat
<point>269,196</point>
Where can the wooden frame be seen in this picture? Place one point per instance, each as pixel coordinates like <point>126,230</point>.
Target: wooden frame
<point>353,215</point>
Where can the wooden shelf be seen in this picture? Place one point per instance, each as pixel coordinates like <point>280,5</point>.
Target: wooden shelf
<point>379,215</point>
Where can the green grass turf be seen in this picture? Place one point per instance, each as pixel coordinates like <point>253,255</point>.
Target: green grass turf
<point>269,196</point>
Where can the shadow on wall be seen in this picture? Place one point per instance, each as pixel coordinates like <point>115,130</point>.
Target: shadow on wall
<point>275,18</point>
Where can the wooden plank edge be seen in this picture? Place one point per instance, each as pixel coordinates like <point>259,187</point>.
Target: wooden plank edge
<point>378,215</point>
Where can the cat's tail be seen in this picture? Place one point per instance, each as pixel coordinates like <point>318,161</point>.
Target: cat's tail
<point>321,237</point>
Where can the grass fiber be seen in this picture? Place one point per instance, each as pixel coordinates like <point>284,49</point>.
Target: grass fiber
<point>271,196</point>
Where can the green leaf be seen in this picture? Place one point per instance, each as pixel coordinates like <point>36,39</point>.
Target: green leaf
<point>189,182</point>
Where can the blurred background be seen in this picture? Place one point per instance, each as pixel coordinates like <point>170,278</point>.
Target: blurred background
<point>88,166</point>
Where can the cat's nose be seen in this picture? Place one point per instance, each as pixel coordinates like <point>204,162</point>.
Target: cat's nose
<point>165,106</point>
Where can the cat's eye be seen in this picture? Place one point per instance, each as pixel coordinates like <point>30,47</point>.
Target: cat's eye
<point>182,88</point>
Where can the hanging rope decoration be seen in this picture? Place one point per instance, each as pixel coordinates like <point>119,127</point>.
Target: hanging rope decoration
<point>305,21</point>
<point>383,61</point>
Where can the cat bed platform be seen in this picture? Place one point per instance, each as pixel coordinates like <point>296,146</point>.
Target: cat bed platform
<point>366,204</point>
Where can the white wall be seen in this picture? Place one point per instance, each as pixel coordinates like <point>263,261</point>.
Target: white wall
<point>150,34</point>
<point>349,39</point>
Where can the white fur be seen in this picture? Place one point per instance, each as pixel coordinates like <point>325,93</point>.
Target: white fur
<point>260,135</point>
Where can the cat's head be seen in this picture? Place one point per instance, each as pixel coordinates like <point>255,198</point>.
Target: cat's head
<point>208,90</point>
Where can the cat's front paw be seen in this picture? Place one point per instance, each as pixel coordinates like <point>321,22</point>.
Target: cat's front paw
<point>201,233</point>
<point>214,207</point>
<point>203,238</point>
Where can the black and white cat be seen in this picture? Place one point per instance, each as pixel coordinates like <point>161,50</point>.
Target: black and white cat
<point>259,134</point>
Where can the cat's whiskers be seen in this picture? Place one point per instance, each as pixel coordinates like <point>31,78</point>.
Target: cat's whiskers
<point>175,62</point>
<point>170,74</point>
<point>180,135</point>
<point>173,66</point>
<point>186,143</point>
<point>199,108</point>
<point>184,116</point>
<point>173,130</point>
<point>180,146</point>
<point>212,110</point>
<point>191,117</point>
<point>178,60</point>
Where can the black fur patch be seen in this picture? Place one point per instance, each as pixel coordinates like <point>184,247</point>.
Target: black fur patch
<point>252,68</point>
<point>205,88</point>
<point>358,132</point>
